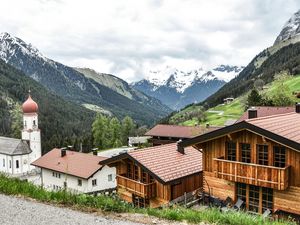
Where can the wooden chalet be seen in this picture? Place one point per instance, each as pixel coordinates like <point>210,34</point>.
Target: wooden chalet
<point>165,134</point>
<point>256,160</point>
<point>155,176</point>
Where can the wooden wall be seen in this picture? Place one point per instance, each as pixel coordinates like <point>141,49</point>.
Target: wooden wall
<point>288,200</point>
<point>163,192</point>
<point>218,187</point>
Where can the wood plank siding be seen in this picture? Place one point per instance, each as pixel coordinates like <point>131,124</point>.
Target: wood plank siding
<point>143,185</point>
<point>255,161</point>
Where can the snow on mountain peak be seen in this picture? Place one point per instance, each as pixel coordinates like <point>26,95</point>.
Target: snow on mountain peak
<point>181,80</point>
<point>290,29</point>
<point>10,44</point>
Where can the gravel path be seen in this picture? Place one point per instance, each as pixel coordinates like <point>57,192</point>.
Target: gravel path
<point>16,211</point>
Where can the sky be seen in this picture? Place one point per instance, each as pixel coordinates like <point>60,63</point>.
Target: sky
<point>128,38</point>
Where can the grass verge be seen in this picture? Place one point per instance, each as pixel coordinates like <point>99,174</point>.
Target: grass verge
<point>13,186</point>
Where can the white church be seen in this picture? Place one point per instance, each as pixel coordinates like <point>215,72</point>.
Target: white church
<point>16,155</point>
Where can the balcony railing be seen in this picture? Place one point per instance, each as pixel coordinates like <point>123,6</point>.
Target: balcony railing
<point>136,187</point>
<point>255,174</point>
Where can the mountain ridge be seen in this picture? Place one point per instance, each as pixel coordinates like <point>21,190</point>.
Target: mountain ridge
<point>75,86</point>
<point>177,88</point>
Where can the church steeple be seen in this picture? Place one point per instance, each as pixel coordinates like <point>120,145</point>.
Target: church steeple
<point>31,131</point>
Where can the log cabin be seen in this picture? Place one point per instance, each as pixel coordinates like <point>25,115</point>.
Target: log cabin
<point>154,176</point>
<point>256,160</point>
<point>165,134</point>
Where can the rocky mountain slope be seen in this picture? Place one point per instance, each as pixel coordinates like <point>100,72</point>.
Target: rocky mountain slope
<point>291,29</point>
<point>123,88</point>
<point>177,88</point>
<point>76,87</point>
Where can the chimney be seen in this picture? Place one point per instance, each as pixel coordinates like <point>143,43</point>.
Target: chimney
<point>252,113</point>
<point>63,152</point>
<point>298,107</point>
<point>95,151</point>
<point>70,147</point>
<point>180,148</point>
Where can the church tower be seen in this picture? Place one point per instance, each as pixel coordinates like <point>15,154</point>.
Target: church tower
<point>31,131</point>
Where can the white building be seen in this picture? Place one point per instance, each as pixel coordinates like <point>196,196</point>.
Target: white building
<point>16,155</point>
<point>75,171</point>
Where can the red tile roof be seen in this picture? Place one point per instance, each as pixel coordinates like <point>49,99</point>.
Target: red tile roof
<point>167,163</point>
<point>164,130</point>
<point>263,111</point>
<point>73,163</point>
<point>286,125</point>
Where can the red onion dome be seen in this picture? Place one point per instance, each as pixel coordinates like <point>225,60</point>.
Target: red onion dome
<point>30,106</point>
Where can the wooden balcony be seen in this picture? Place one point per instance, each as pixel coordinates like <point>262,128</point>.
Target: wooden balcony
<point>136,187</point>
<point>259,175</point>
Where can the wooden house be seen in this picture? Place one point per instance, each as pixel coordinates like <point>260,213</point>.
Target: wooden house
<point>155,176</point>
<point>256,160</point>
<point>165,134</point>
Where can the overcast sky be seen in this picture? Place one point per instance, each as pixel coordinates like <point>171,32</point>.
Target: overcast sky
<point>130,37</point>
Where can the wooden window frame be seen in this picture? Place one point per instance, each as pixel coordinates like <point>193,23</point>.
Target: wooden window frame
<point>279,158</point>
<point>265,160</point>
<point>247,158</point>
<point>233,152</point>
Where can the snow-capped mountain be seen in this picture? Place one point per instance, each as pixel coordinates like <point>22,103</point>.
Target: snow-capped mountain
<point>290,29</point>
<point>96,93</point>
<point>177,88</point>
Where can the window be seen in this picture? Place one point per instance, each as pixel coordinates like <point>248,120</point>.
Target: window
<point>3,162</point>
<point>65,185</point>
<point>129,170</point>
<point>246,153</point>
<point>94,182</point>
<point>109,177</point>
<point>144,176</point>
<point>33,122</point>
<point>241,191</point>
<point>263,154</point>
<point>253,198</point>
<point>79,182</point>
<point>267,199</point>
<point>17,164</point>
<point>231,151</point>
<point>279,156</point>
<point>136,172</point>
<point>9,163</point>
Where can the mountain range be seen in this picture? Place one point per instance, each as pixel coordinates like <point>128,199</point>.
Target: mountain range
<point>177,88</point>
<point>283,55</point>
<point>96,91</point>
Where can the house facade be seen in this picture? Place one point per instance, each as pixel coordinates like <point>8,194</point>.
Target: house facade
<point>154,176</point>
<point>75,171</point>
<point>16,155</point>
<point>256,160</point>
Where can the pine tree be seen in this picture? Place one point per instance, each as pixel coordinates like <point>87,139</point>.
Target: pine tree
<point>127,129</point>
<point>254,98</point>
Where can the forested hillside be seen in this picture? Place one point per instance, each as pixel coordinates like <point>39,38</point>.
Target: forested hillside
<point>62,123</point>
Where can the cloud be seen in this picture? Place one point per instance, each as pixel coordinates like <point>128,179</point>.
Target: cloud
<point>129,38</point>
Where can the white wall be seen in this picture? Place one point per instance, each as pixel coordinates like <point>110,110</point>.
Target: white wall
<point>12,160</point>
<point>48,180</point>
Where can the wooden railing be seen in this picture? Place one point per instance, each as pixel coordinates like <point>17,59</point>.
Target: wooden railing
<point>255,174</point>
<point>136,187</point>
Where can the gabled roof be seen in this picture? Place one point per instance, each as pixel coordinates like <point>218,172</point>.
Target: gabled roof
<point>164,162</point>
<point>73,163</point>
<point>12,146</point>
<point>283,129</point>
<point>165,130</point>
<point>263,111</point>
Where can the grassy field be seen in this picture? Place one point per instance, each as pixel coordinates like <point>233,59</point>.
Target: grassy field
<point>218,115</point>
<point>12,186</point>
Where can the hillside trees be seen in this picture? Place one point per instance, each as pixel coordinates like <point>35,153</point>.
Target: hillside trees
<point>110,132</point>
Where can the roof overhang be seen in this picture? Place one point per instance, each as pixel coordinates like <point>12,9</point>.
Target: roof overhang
<point>237,127</point>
